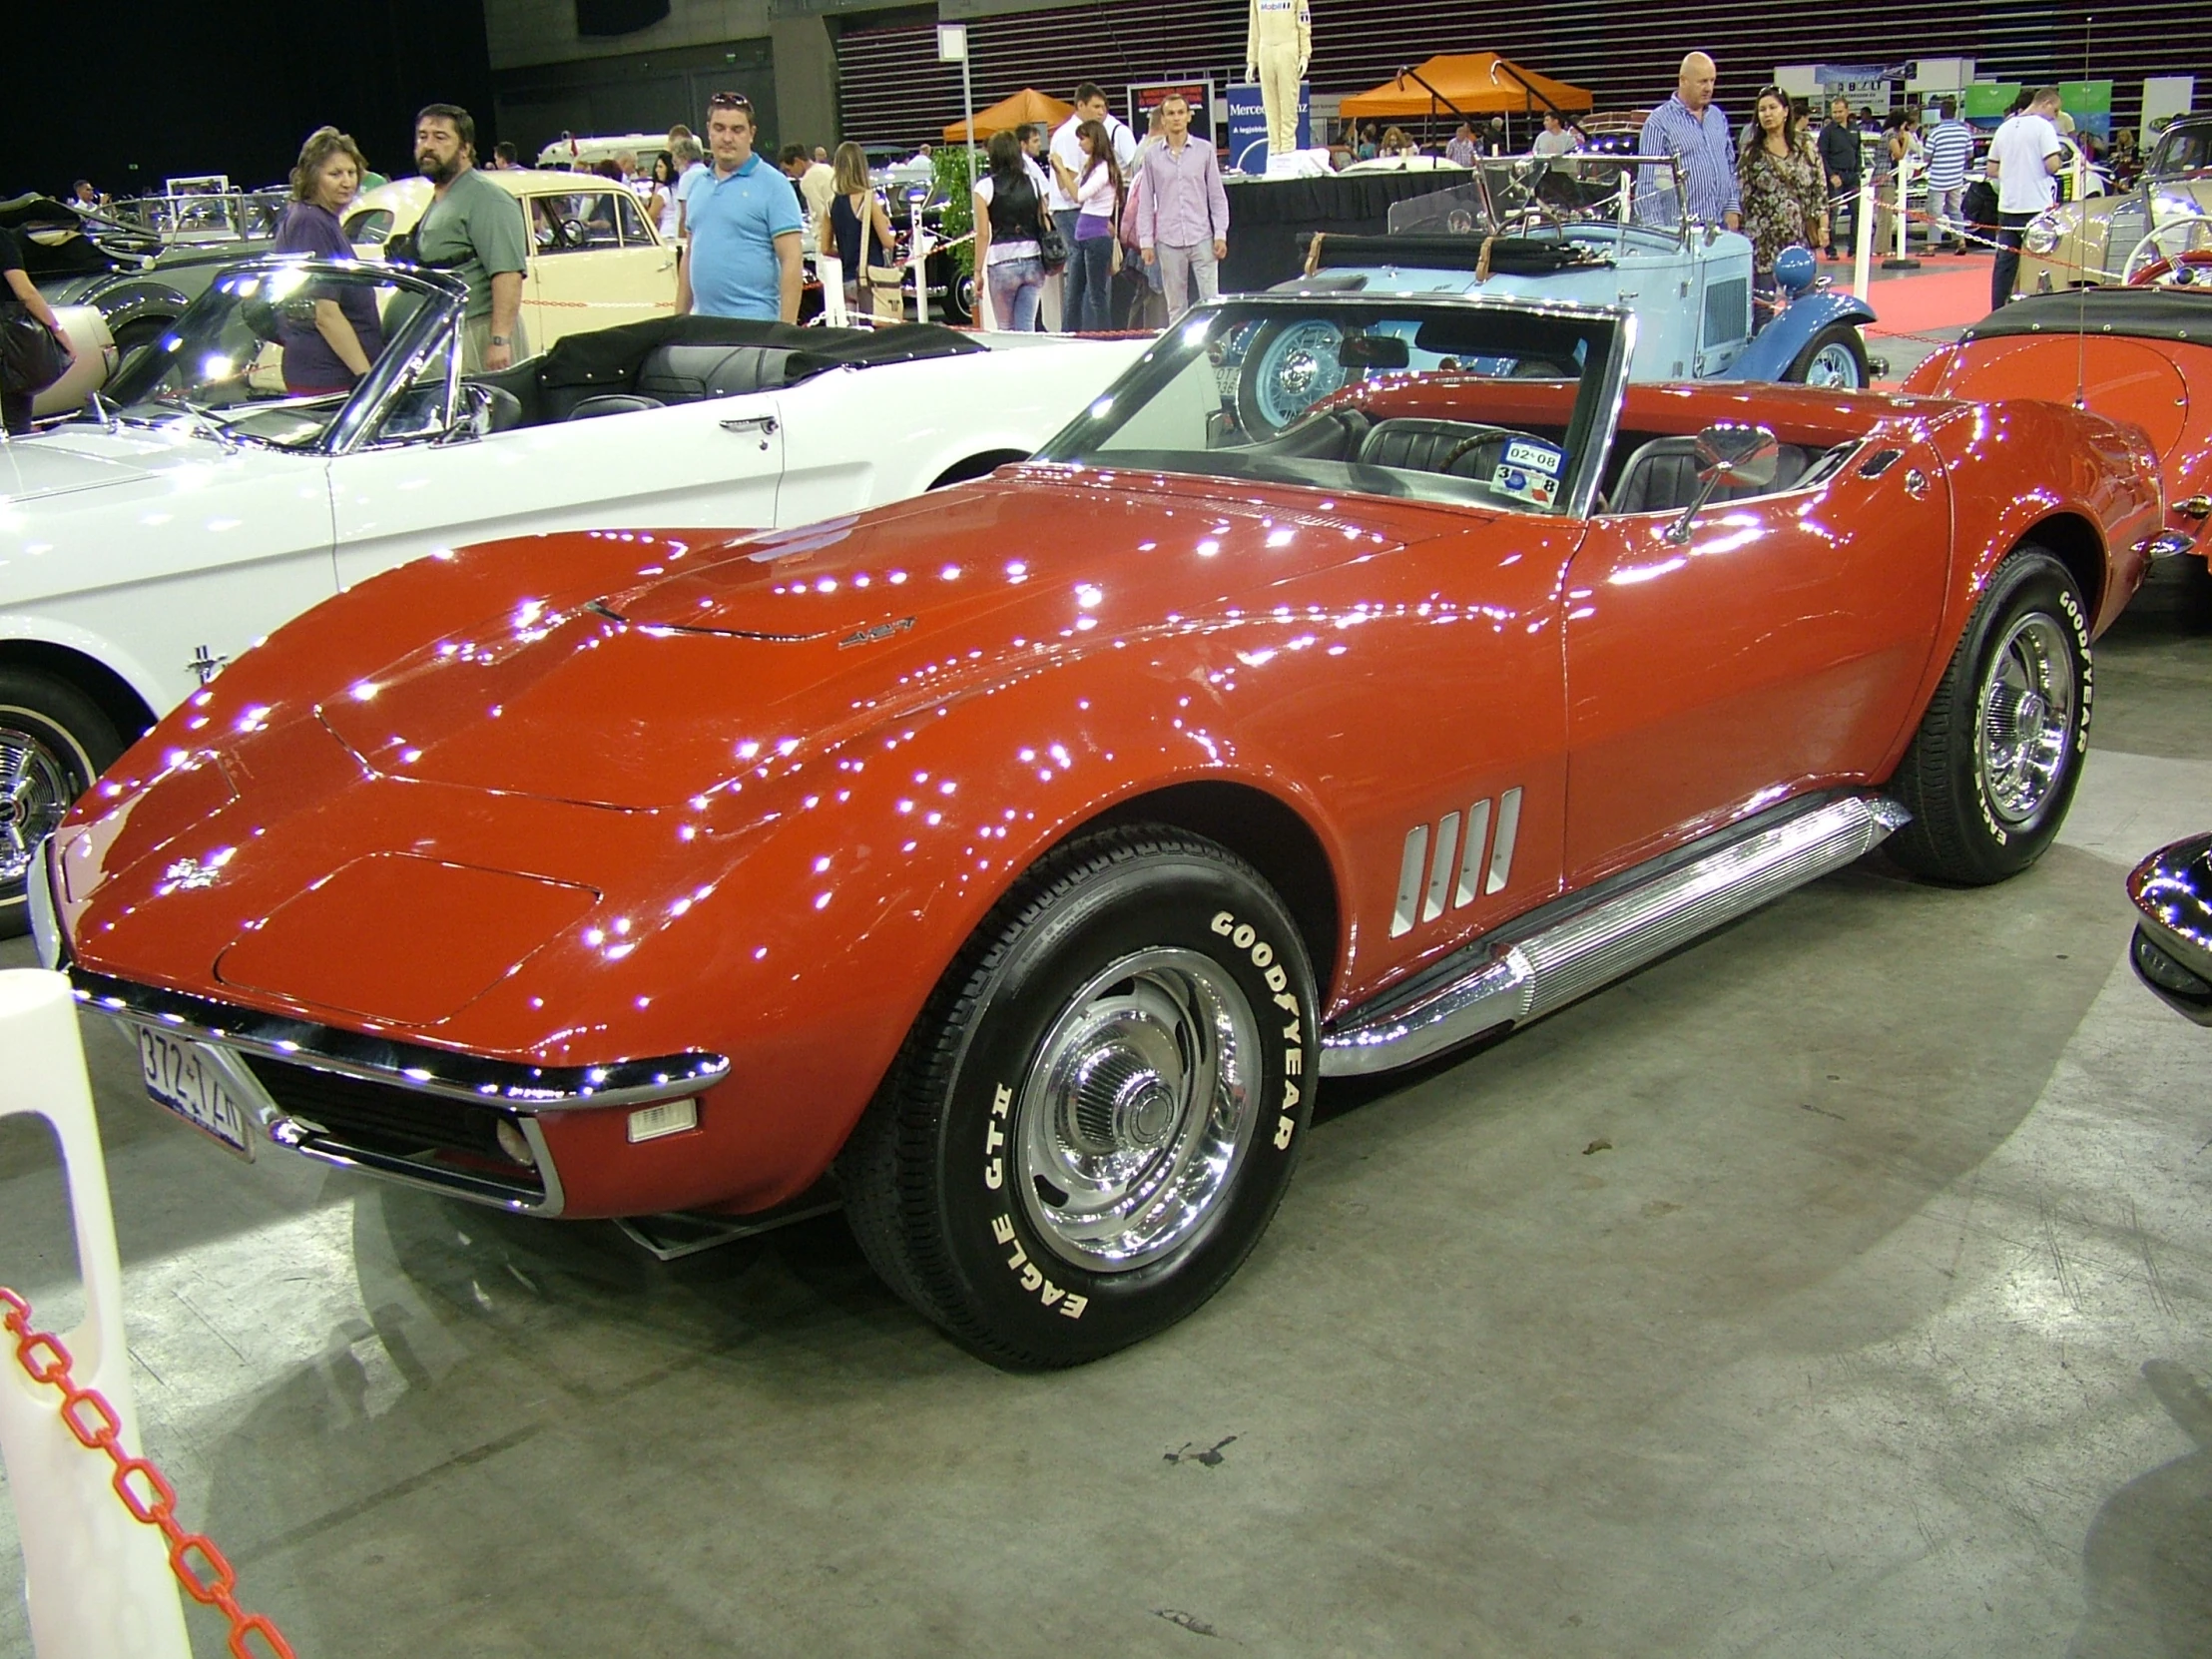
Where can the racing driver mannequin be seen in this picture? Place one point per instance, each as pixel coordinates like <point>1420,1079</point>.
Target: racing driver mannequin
<point>1279,40</point>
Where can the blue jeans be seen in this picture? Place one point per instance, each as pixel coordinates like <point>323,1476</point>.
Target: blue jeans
<point>1090,303</point>
<point>1016,288</point>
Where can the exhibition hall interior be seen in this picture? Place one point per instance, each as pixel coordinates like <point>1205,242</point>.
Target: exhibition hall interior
<point>1049,827</point>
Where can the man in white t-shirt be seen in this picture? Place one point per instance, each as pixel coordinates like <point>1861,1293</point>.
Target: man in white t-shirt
<point>2023,158</point>
<point>1064,155</point>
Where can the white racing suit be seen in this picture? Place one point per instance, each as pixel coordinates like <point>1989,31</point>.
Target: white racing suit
<point>1279,40</point>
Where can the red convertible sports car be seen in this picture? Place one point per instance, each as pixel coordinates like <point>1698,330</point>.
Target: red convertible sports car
<point>1016,863</point>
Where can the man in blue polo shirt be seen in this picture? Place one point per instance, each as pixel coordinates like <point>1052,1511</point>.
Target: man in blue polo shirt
<point>742,220</point>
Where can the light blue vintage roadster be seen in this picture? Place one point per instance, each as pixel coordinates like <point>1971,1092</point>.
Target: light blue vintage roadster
<point>1586,228</point>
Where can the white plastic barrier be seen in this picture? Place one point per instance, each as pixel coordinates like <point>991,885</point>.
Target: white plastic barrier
<point>1862,241</point>
<point>97,1581</point>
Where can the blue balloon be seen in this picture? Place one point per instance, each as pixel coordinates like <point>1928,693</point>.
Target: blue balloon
<point>1794,269</point>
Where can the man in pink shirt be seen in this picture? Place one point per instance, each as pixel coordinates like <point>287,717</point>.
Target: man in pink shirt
<point>1182,212</point>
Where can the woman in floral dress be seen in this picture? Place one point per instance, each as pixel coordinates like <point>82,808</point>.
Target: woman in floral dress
<point>1782,185</point>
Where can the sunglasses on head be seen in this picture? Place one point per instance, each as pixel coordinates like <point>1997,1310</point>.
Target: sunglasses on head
<point>730,100</point>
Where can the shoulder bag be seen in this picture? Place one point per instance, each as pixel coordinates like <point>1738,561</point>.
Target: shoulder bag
<point>30,357</point>
<point>1052,247</point>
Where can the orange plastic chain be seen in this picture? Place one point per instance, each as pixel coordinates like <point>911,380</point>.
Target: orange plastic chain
<point>199,1565</point>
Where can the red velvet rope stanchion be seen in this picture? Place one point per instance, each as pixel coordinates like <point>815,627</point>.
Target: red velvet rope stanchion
<point>199,1566</point>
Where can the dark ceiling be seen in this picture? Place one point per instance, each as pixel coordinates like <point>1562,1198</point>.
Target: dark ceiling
<point>144,92</point>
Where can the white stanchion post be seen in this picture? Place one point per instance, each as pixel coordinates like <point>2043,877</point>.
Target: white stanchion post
<point>2081,172</point>
<point>97,1581</point>
<point>1905,219</point>
<point>1862,239</point>
<point>920,258</point>
<point>831,270</point>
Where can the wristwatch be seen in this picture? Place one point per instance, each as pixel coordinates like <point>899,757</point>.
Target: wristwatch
<point>501,339</point>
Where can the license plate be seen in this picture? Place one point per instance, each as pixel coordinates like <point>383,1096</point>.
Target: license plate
<point>184,1077</point>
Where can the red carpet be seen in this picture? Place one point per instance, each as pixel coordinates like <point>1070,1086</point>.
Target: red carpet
<point>1949,291</point>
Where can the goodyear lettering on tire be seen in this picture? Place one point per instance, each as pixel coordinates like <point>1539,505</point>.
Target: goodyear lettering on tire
<point>1242,937</point>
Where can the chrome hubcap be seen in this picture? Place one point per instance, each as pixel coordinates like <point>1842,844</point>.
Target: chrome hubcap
<point>34,790</point>
<point>1301,370</point>
<point>2027,720</point>
<point>1139,1110</point>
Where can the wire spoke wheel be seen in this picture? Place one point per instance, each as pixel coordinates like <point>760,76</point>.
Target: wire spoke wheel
<point>1833,366</point>
<point>36,787</point>
<point>1138,1110</point>
<point>1290,369</point>
<point>2025,721</point>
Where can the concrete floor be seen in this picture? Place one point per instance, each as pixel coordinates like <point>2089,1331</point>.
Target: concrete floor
<point>1839,1286</point>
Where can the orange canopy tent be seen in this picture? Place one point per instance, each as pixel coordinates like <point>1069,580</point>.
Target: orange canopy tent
<point>1479,83</point>
<point>1024,106</point>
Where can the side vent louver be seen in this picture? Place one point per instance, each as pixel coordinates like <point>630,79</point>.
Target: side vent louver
<point>1425,882</point>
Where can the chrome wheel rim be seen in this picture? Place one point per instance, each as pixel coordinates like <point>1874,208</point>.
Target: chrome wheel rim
<point>36,787</point>
<point>1138,1112</point>
<point>1833,366</point>
<point>1299,369</point>
<point>2027,717</point>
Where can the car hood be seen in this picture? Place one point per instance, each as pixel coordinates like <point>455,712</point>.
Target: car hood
<point>71,458</point>
<point>725,658</point>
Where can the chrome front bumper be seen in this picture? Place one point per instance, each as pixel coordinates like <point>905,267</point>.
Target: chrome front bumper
<point>272,1062</point>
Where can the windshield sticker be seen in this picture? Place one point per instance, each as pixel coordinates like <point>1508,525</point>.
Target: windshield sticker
<point>1529,471</point>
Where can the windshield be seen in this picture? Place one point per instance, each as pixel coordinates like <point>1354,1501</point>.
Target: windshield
<point>1495,405</point>
<point>1535,195</point>
<point>267,354</point>
<point>2184,150</point>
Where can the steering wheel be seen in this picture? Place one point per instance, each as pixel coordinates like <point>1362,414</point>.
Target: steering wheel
<point>2191,270</point>
<point>2156,261</point>
<point>1480,437</point>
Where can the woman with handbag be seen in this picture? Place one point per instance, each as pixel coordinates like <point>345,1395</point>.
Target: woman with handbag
<point>23,308</point>
<point>861,230</point>
<point>1013,239</point>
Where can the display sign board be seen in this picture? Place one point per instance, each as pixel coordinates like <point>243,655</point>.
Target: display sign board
<point>1145,97</point>
<point>2088,102</point>
<point>2164,97</point>
<point>1248,126</point>
<point>1866,84</point>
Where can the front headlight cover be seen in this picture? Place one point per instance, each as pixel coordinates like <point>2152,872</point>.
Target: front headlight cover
<point>2041,235</point>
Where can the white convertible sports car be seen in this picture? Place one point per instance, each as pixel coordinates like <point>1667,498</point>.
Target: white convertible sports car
<point>214,492</point>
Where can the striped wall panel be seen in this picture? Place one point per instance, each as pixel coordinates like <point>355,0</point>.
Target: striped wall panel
<point>893,89</point>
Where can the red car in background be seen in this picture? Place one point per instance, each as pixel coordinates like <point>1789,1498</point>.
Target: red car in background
<point>1016,864</point>
<point>2139,354</point>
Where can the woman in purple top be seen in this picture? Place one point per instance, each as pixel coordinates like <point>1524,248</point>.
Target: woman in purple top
<point>334,349</point>
<point>1098,191</point>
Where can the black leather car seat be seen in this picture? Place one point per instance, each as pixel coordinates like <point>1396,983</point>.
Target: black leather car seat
<point>1420,445</point>
<point>1661,478</point>
<point>503,410</point>
<point>687,373</point>
<point>613,402</point>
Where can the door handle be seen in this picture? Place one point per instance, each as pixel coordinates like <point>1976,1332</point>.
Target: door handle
<point>764,424</point>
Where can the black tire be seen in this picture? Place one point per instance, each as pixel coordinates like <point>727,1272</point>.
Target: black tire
<point>1837,344</point>
<point>54,741</point>
<point>1036,1052</point>
<point>132,336</point>
<point>1978,817</point>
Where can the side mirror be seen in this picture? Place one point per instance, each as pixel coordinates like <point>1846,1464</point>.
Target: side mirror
<point>1373,351</point>
<point>1729,453</point>
<point>473,411</point>
<point>1733,453</point>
